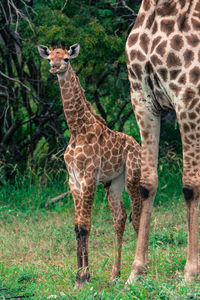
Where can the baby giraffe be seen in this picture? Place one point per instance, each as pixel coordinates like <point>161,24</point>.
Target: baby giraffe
<point>95,155</point>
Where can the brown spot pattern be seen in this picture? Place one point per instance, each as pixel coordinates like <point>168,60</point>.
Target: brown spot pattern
<point>188,57</point>
<point>163,73</point>
<point>140,56</point>
<point>197,7</point>
<point>173,60</point>
<point>167,26</point>
<point>186,128</point>
<point>133,54</point>
<point>155,42</point>
<point>150,20</point>
<point>147,5</point>
<point>144,42</point>
<point>193,103</point>
<point>182,79</point>
<point>188,95</point>
<point>175,88</point>
<point>194,75</point>
<point>192,115</point>
<point>133,39</point>
<point>137,70</point>
<point>155,60</point>
<point>174,74</point>
<point>183,23</point>
<point>167,9</point>
<point>177,42</point>
<point>161,48</point>
<point>139,21</point>
<point>195,24</point>
<point>155,27</point>
<point>192,40</point>
<point>182,3</point>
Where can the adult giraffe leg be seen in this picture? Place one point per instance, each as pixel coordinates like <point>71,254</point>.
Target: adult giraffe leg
<point>83,198</point>
<point>191,189</point>
<point>114,193</point>
<point>149,126</point>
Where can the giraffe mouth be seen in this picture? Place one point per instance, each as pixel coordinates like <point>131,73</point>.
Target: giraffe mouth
<point>53,70</point>
<point>57,71</point>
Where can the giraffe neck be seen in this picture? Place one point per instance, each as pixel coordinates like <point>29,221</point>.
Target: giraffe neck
<point>78,111</point>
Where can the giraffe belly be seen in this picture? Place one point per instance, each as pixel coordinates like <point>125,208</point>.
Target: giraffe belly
<point>109,175</point>
<point>157,93</point>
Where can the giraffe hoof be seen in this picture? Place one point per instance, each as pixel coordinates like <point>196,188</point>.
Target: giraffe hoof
<point>78,286</point>
<point>130,280</point>
<point>82,276</point>
<point>189,277</point>
<point>191,273</point>
<point>113,279</point>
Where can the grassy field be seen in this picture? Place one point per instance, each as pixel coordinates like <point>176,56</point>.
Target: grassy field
<point>38,255</point>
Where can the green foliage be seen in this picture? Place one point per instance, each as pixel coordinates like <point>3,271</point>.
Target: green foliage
<point>36,119</point>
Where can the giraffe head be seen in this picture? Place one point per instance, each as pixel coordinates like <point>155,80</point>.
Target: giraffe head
<point>59,57</point>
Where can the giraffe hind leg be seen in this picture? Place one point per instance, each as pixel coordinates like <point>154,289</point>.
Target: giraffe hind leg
<point>133,189</point>
<point>114,192</point>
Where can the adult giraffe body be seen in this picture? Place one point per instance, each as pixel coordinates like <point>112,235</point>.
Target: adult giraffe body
<point>163,60</point>
<point>95,154</point>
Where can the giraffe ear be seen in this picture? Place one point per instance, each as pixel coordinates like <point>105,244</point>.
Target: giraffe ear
<point>44,51</point>
<point>74,51</point>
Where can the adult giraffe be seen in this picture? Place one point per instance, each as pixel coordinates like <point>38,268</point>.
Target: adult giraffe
<point>163,59</point>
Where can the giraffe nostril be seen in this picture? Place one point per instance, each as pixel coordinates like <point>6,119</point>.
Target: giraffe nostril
<point>55,66</point>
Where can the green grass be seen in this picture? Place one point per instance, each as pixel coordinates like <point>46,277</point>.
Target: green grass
<point>38,254</point>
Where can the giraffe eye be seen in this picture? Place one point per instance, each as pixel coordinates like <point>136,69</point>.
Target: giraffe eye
<point>66,59</point>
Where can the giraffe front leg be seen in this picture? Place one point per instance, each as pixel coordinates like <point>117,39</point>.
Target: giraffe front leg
<point>149,125</point>
<point>83,204</point>
<point>114,193</point>
<point>191,189</point>
<point>78,248</point>
<point>77,207</point>
<point>83,274</point>
<point>192,267</point>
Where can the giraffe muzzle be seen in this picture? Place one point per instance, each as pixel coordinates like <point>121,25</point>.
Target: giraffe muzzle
<point>58,70</point>
<point>53,70</point>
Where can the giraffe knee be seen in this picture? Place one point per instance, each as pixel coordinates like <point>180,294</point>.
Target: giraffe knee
<point>83,231</point>
<point>76,229</point>
<point>80,231</point>
<point>188,194</point>
<point>148,186</point>
<point>144,192</point>
<point>191,187</point>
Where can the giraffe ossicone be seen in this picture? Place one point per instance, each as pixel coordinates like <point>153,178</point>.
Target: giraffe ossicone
<point>95,154</point>
<point>163,60</point>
